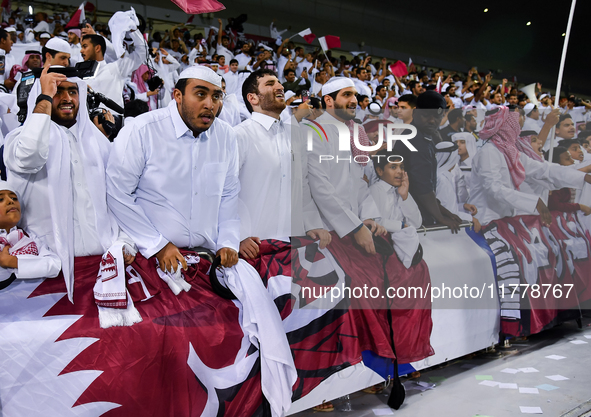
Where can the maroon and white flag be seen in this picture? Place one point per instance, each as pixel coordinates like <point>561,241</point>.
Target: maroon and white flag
<point>77,18</point>
<point>329,42</point>
<point>307,35</point>
<point>543,273</point>
<point>199,6</point>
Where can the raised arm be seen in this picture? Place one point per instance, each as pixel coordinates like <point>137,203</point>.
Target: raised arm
<point>131,61</point>
<point>220,32</point>
<point>26,150</point>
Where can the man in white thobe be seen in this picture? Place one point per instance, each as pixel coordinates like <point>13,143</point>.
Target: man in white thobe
<point>110,78</point>
<point>265,150</point>
<point>338,189</point>
<point>56,162</point>
<point>493,188</point>
<point>172,182</point>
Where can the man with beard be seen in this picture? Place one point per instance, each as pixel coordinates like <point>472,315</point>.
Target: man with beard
<point>360,82</point>
<point>347,207</point>
<point>496,101</point>
<point>421,165</point>
<point>56,162</point>
<point>416,88</point>
<point>147,190</point>
<point>341,194</point>
<point>265,158</point>
<point>264,149</point>
<point>172,183</point>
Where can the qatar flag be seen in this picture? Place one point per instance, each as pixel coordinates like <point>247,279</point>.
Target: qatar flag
<point>329,42</point>
<point>307,35</point>
<point>399,69</point>
<point>199,6</point>
<point>77,18</point>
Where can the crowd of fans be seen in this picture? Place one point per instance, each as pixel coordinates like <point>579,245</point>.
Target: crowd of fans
<point>482,147</point>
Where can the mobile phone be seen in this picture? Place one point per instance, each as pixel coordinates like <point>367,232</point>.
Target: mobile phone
<point>305,95</point>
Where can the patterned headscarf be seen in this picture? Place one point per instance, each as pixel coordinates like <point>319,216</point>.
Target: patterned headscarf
<point>524,145</point>
<point>502,128</point>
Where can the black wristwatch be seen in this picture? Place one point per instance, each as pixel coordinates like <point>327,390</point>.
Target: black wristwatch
<point>42,97</point>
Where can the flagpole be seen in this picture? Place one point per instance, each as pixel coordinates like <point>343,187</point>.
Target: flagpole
<point>295,34</point>
<point>560,73</point>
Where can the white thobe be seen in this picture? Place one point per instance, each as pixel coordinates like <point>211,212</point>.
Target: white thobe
<point>265,177</point>
<point>281,61</point>
<point>222,50</point>
<point>447,194</point>
<point>393,209</point>
<point>361,87</point>
<point>304,65</point>
<point>492,189</point>
<point>341,194</point>
<point>42,26</point>
<point>169,75</point>
<point>233,83</point>
<point>242,59</point>
<point>75,55</point>
<point>29,152</point>
<point>165,185</point>
<point>304,213</point>
<point>531,124</point>
<point>231,110</point>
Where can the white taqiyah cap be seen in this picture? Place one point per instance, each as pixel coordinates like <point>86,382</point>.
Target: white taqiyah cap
<point>336,84</point>
<point>59,45</point>
<point>202,73</point>
<point>529,106</point>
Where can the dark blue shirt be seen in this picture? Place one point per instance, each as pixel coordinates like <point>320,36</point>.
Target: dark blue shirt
<point>421,167</point>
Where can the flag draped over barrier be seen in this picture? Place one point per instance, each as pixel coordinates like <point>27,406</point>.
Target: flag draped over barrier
<point>542,272</point>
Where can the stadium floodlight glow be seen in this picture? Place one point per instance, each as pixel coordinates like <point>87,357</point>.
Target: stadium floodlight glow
<point>485,10</point>
<point>564,34</point>
<point>528,24</point>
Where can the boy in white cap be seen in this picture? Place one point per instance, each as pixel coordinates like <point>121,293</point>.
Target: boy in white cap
<point>24,255</point>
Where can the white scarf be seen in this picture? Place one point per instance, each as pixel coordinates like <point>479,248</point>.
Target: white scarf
<point>447,156</point>
<point>265,330</point>
<point>119,24</point>
<point>470,141</point>
<point>406,243</point>
<point>114,303</point>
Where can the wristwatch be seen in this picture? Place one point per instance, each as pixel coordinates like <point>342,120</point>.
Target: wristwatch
<point>42,97</point>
